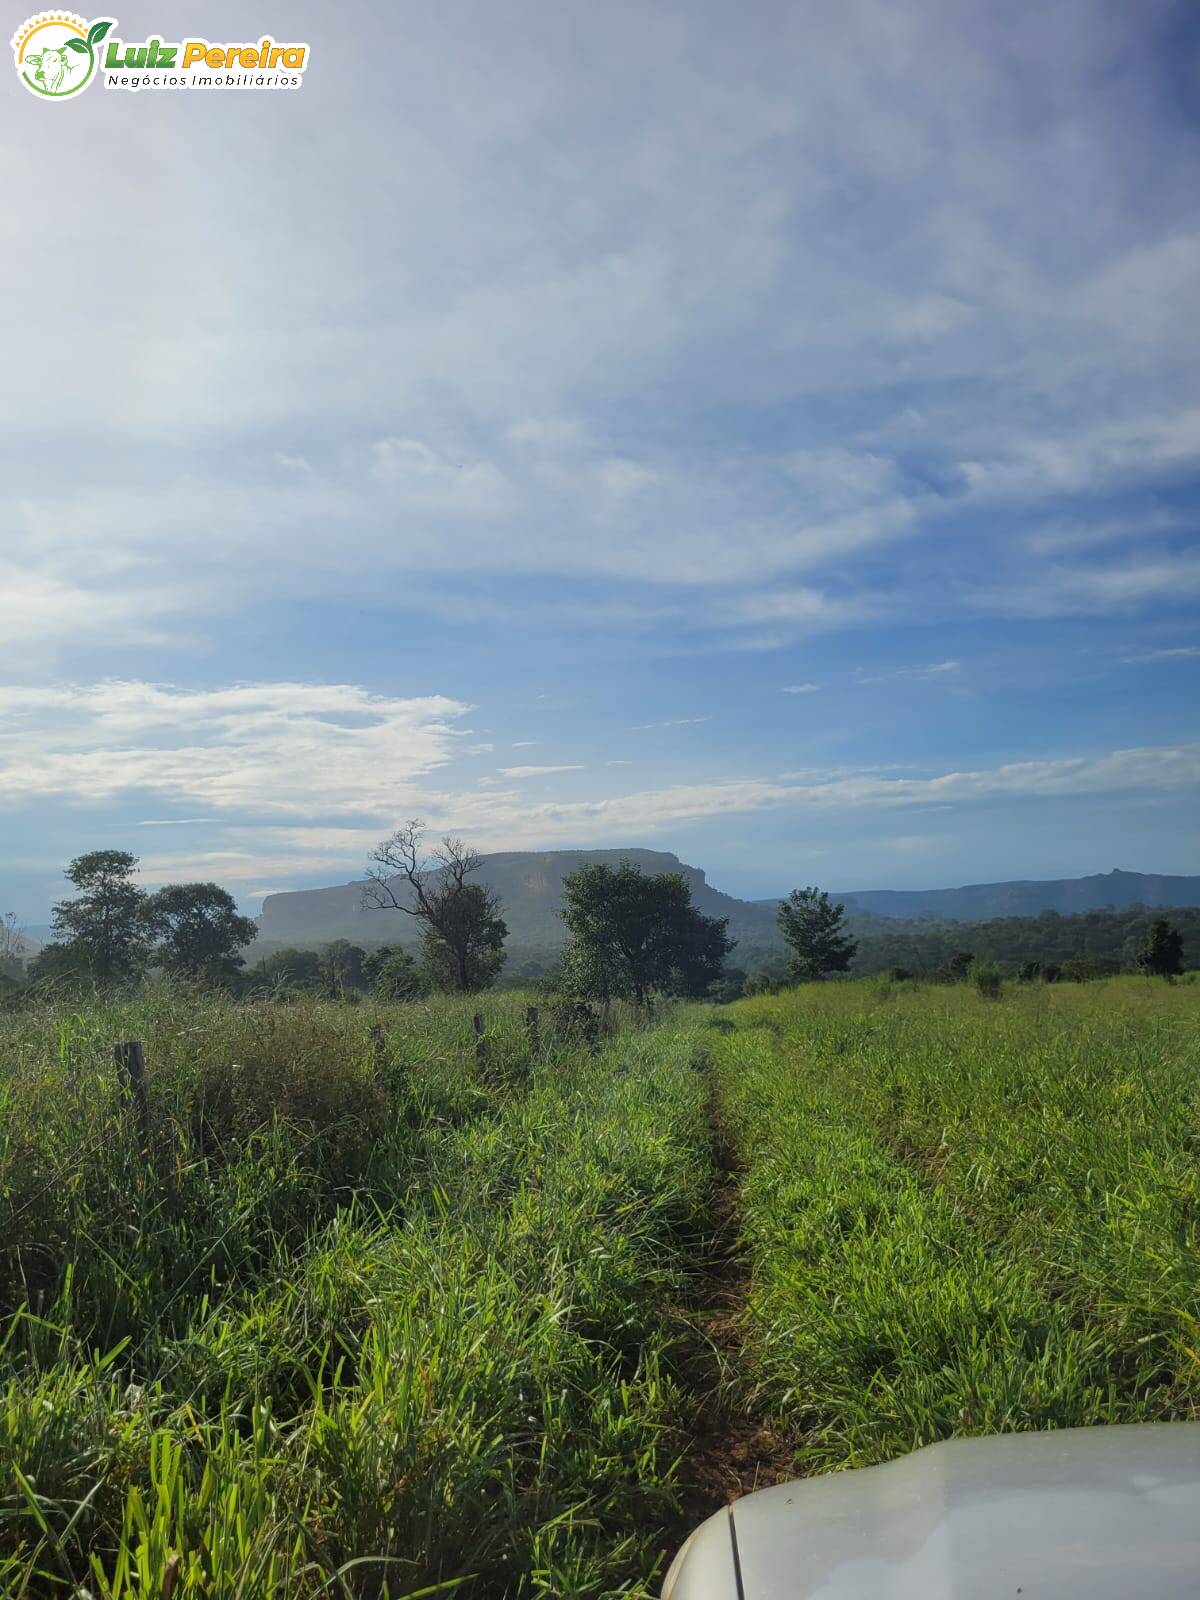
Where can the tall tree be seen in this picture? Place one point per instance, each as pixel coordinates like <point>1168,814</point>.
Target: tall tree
<point>633,934</point>
<point>12,947</point>
<point>393,974</point>
<point>289,969</point>
<point>341,968</point>
<point>464,932</point>
<point>103,924</point>
<point>815,930</point>
<point>1162,954</point>
<point>466,952</point>
<point>196,931</point>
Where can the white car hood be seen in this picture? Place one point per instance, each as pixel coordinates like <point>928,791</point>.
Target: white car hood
<point>1105,1513</point>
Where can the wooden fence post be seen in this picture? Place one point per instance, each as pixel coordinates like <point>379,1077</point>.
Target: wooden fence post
<point>131,1066</point>
<point>480,1041</point>
<point>532,1029</point>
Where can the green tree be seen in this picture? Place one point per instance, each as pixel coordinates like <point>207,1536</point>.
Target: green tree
<point>392,974</point>
<point>761,983</point>
<point>633,934</point>
<point>289,968</point>
<point>464,932</point>
<point>988,979</point>
<point>1162,954</point>
<point>104,922</point>
<point>60,965</point>
<point>957,968</point>
<point>815,931</point>
<point>701,946</point>
<point>196,931</point>
<point>340,965</point>
<point>1087,969</point>
<point>465,951</point>
<point>730,986</point>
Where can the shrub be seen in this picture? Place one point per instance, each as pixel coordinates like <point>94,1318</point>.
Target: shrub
<point>988,980</point>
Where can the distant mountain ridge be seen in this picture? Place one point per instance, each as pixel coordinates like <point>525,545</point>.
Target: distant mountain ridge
<point>530,885</point>
<point>979,902</point>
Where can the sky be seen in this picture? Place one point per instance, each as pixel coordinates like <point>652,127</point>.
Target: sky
<point>768,432</point>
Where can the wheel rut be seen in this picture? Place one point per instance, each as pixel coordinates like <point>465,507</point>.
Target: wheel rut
<point>730,1452</point>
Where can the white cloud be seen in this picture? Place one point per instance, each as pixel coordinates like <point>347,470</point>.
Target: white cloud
<point>933,669</point>
<point>672,722</point>
<point>685,343</point>
<point>801,688</point>
<point>1168,767</point>
<point>535,772</point>
<point>795,607</point>
<point>307,750</point>
<point>622,478</point>
<point>254,755</point>
<point>1178,653</point>
<point>43,602</point>
<point>508,821</point>
<point>680,346</point>
<point>419,476</point>
<point>1097,590</point>
<point>277,747</point>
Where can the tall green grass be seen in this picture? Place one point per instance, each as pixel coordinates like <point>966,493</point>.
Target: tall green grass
<point>965,1215</point>
<point>362,1319</point>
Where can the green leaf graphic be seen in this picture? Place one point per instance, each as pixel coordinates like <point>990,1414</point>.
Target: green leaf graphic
<point>77,44</point>
<point>97,31</point>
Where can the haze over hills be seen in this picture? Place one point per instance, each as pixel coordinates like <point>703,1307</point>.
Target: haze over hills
<point>978,902</point>
<point>530,885</point>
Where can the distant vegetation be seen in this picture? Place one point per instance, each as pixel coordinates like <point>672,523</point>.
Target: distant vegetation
<point>627,932</point>
<point>1094,944</point>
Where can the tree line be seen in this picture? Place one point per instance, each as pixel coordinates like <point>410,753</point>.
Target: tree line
<point>629,934</point>
<point>1076,946</point>
<point>112,931</point>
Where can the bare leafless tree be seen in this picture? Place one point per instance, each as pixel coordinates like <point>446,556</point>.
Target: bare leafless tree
<point>12,945</point>
<point>464,932</point>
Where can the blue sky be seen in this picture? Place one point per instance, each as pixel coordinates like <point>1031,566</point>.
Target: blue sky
<point>766,432</point>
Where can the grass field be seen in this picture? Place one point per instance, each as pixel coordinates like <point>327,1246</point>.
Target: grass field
<point>360,1321</point>
<point>966,1215</point>
<point>375,1313</point>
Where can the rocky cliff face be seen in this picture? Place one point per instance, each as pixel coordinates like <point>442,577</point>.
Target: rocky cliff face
<point>529,884</point>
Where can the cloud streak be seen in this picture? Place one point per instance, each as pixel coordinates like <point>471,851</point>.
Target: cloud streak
<point>255,755</point>
<point>293,748</point>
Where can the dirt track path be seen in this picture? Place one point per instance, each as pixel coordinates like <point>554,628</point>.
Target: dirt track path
<point>730,1453</point>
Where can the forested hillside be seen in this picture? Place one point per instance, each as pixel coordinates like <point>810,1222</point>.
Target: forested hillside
<point>923,946</point>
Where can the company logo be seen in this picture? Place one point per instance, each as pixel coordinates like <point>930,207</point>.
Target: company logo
<point>57,53</point>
